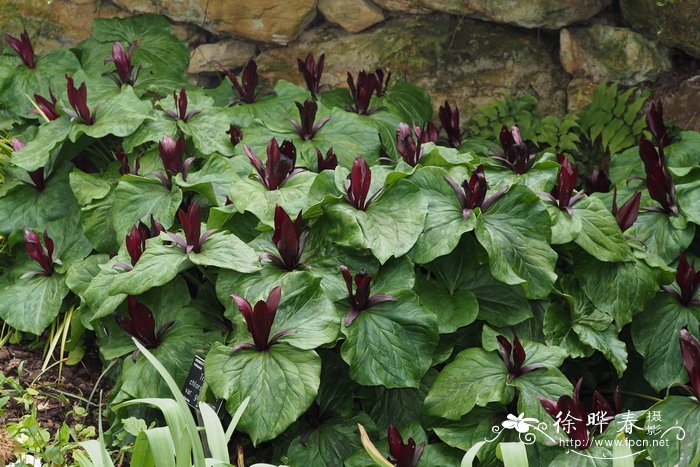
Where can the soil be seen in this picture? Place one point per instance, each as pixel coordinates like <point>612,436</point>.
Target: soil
<point>57,396</point>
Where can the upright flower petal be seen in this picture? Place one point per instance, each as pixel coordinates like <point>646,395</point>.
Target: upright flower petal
<point>655,123</point>
<point>77,97</point>
<point>361,92</point>
<point>690,349</point>
<point>358,184</point>
<point>312,71</point>
<point>141,325</point>
<point>245,88</point>
<point>279,166</point>
<point>626,215</point>
<point>23,48</point>
<point>404,454</point>
<point>42,254</point>
<point>449,117</point>
<point>47,107</point>
<point>329,162</point>
<point>360,298</point>
<point>259,319</point>
<point>289,240</point>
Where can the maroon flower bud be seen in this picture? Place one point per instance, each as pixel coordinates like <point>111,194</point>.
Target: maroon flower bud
<point>690,349</point>
<point>42,254</point>
<point>180,112</point>
<point>141,324</point>
<point>472,194</point>
<point>46,107</point>
<point>23,48</point>
<point>171,155</point>
<point>77,97</point>
<point>330,162</point>
<point>571,416</point>
<point>360,300</point>
<point>410,148</point>
<point>598,182</point>
<point>604,410</point>
<point>361,92</point>
<point>381,84</point>
<point>563,192</point>
<point>449,117</point>
<point>259,320</point>
<point>191,221</point>
<point>307,113</point>
<point>627,214</point>
<point>245,89</point>
<point>515,154</point>
<point>659,181</point>
<point>136,242</point>
<point>312,71</point>
<point>123,160</point>
<point>404,455</point>
<point>514,356</point>
<point>126,73</point>
<point>236,134</point>
<point>687,282</point>
<point>655,123</point>
<point>289,238</point>
<point>358,183</point>
<point>279,166</point>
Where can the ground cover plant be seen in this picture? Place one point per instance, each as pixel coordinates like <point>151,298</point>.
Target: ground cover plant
<point>340,257</point>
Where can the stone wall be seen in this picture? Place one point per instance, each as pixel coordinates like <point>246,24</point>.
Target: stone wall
<point>466,51</point>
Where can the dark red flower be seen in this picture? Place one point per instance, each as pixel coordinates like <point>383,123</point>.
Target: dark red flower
<point>687,282</point>
<point>659,181</point>
<point>191,221</point>
<point>123,160</point>
<point>655,123</point>
<point>605,412</point>
<point>279,166</point>
<point>312,71</point>
<point>289,238</point>
<point>136,242</point>
<point>515,154</point>
<point>449,117</point>
<point>514,356</point>
<point>598,182</point>
<point>171,155</point>
<point>141,324</point>
<point>77,97</point>
<point>181,103</point>
<point>562,195</point>
<point>358,183</point>
<point>245,89</point>
<point>361,92</point>
<point>330,162</point>
<point>259,320</point>
<point>410,148</point>
<point>46,107</point>
<point>472,194</point>
<point>690,349</point>
<point>42,254</point>
<point>404,455</point>
<point>382,84</point>
<point>23,48</point>
<point>236,134</point>
<point>126,73</point>
<point>626,215</point>
<point>307,113</point>
<point>360,299</point>
<point>571,416</point>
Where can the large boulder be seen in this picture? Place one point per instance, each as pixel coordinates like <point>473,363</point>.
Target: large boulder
<point>469,62</point>
<point>606,53</point>
<point>548,14</point>
<point>353,16</point>
<point>230,53</point>
<point>271,21</point>
<point>674,23</point>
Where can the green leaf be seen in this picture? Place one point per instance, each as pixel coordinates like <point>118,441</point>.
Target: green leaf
<point>599,235</point>
<point>328,444</point>
<point>138,198</point>
<point>474,377</point>
<point>38,151</point>
<point>391,344</point>
<point>119,116</point>
<point>682,448</point>
<point>226,251</point>
<point>32,303</point>
<point>281,383</point>
<point>515,232</point>
<point>618,289</point>
<point>655,333</point>
<point>453,310</point>
<point>158,265</point>
<point>389,227</point>
<point>444,222</point>
<point>208,131</point>
<point>660,237</point>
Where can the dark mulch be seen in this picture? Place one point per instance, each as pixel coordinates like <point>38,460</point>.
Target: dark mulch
<point>56,396</point>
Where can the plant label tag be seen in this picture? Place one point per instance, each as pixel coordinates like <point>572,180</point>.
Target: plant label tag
<point>194,383</point>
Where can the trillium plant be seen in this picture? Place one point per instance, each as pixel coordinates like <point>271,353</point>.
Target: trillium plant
<point>338,261</point>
